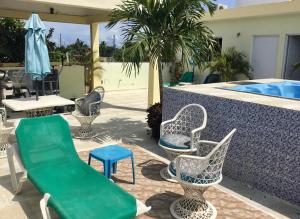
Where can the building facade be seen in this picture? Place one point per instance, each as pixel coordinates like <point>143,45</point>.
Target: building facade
<point>268,34</point>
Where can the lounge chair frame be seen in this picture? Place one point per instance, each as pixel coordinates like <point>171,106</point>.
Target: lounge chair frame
<point>13,152</point>
<point>5,131</point>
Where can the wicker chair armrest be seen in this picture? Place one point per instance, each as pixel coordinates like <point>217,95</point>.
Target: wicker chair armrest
<point>165,123</point>
<point>94,108</point>
<point>196,135</point>
<point>78,103</point>
<point>199,129</point>
<point>190,165</point>
<point>208,142</point>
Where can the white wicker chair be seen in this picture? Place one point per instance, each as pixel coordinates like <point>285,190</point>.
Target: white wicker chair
<point>85,121</point>
<point>181,135</point>
<point>195,174</point>
<point>5,131</point>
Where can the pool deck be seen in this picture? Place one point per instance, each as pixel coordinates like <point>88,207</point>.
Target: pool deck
<point>215,90</point>
<point>122,119</point>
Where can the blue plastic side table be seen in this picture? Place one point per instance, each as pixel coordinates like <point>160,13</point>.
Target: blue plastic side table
<point>109,156</point>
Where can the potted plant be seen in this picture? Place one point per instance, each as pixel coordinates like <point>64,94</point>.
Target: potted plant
<point>154,119</point>
<point>229,64</point>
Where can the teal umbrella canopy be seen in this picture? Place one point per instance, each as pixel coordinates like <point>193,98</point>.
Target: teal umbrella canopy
<point>36,52</point>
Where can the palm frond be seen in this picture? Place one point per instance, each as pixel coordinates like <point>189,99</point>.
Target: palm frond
<point>160,29</point>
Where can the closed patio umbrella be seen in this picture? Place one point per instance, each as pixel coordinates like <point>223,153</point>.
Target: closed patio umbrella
<point>36,52</point>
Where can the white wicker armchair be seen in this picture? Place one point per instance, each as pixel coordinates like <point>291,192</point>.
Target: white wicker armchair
<point>5,131</point>
<point>181,135</point>
<point>195,174</point>
<point>85,121</point>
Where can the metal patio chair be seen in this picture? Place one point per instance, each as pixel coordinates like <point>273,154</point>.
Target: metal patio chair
<point>20,82</point>
<point>181,135</point>
<point>195,174</point>
<point>86,120</point>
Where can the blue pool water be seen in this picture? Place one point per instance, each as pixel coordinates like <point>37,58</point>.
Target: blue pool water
<point>284,89</point>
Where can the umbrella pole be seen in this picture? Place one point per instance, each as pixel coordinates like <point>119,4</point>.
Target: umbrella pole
<point>36,90</point>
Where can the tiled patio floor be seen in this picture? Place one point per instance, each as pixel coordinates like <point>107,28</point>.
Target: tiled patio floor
<point>159,194</point>
<point>149,188</point>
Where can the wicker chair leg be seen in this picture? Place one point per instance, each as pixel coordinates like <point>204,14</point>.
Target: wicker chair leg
<point>193,205</point>
<point>85,131</point>
<point>164,173</point>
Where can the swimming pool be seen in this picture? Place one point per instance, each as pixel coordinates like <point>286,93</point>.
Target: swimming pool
<point>284,89</point>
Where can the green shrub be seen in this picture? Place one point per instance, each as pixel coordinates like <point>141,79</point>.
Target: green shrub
<point>229,64</point>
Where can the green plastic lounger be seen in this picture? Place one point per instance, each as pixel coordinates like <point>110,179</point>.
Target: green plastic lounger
<point>47,155</point>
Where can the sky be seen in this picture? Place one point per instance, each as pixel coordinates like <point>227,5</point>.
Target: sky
<point>70,32</point>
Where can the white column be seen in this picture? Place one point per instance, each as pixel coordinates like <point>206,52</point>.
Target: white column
<point>96,70</point>
<point>153,85</point>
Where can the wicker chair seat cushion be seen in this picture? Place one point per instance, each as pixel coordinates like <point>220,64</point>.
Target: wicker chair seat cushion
<point>176,141</point>
<point>91,98</point>
<point>192,179</point>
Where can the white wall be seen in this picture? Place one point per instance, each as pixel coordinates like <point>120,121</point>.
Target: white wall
<point>114,78</point>
<point>71,82</point>
<point>255,2</point>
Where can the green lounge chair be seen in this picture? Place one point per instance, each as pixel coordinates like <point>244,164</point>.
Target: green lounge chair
<point>70,186</point>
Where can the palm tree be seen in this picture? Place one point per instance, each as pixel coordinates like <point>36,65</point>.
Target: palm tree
<point>228,64</point>
<point>159,29</point>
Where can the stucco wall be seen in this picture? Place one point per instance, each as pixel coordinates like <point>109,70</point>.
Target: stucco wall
<point>72,78</point>
<point>71,81</point>
<point>254,2</point>
<point>257,26</point>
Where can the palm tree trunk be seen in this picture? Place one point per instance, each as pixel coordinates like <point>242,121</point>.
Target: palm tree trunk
<point>172,70</point>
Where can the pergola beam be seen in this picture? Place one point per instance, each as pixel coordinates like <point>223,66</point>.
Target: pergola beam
<point>103,5</point>
<point>99,18</point>
<point>46,16</point>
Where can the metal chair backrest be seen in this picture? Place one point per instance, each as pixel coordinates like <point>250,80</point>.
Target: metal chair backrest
<point>191,117</point>
<point>18,78</point>
<point>213,171</point>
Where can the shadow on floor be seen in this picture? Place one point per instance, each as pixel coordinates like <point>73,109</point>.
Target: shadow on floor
<point>127,131</point>
<point>160,204</point>
<point>28,198</point>
<point>151,169</point>
<point>106,105</point>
